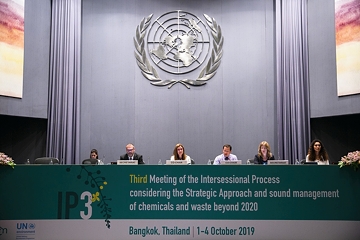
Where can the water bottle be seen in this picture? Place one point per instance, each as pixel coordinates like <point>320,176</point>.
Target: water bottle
<point>209,162</point>
<point>297,162</point>
<point>51,162</point>
<point>160,162</point>
<point>27,161</point>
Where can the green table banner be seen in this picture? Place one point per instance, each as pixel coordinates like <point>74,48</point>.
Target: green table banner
<point>163,192</point>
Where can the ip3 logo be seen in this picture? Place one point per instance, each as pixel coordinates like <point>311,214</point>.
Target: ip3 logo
<point>72,201</point>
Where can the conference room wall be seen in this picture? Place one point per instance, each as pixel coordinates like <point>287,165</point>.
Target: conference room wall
<point>324,101</point>
<point>36,64</point>
<point>119,105</point>
<point>334,119</point>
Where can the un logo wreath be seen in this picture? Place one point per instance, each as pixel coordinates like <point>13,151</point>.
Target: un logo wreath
<point>150,73</point>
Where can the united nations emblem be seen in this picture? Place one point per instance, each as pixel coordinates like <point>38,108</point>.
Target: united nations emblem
<point>178,43</point>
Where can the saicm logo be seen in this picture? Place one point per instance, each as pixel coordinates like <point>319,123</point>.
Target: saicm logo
<point>3,231</point>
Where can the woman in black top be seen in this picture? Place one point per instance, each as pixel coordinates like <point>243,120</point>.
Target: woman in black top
<point>264,154</point>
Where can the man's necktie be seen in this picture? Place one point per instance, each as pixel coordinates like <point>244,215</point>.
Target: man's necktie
<point>227,158</point>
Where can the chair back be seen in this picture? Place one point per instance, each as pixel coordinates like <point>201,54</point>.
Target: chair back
<point>91,161</point>
<point>250,161</point>
<point>192,161</point>
<point>46,160</point>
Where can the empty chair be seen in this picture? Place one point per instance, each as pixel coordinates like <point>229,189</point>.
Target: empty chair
<point>46,160</point>
<point>90,161</point>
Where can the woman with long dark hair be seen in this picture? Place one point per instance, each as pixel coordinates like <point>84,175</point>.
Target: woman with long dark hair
<point>317,153</point>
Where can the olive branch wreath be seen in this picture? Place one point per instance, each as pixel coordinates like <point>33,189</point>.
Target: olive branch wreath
<point>206,73</point>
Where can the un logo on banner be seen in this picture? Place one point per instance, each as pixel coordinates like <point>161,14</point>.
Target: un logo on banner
<point>178,43</point>
<point>25,225</point>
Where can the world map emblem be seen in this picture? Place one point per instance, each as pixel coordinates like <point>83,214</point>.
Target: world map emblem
<point>178,43</point>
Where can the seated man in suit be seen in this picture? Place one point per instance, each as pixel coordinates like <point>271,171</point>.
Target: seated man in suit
<point>131,154</point>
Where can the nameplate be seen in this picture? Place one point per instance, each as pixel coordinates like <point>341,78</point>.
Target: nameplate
<point>176,162</point>
<point>231,162</point>
<point>127,162</point>
<point>278,162</point>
